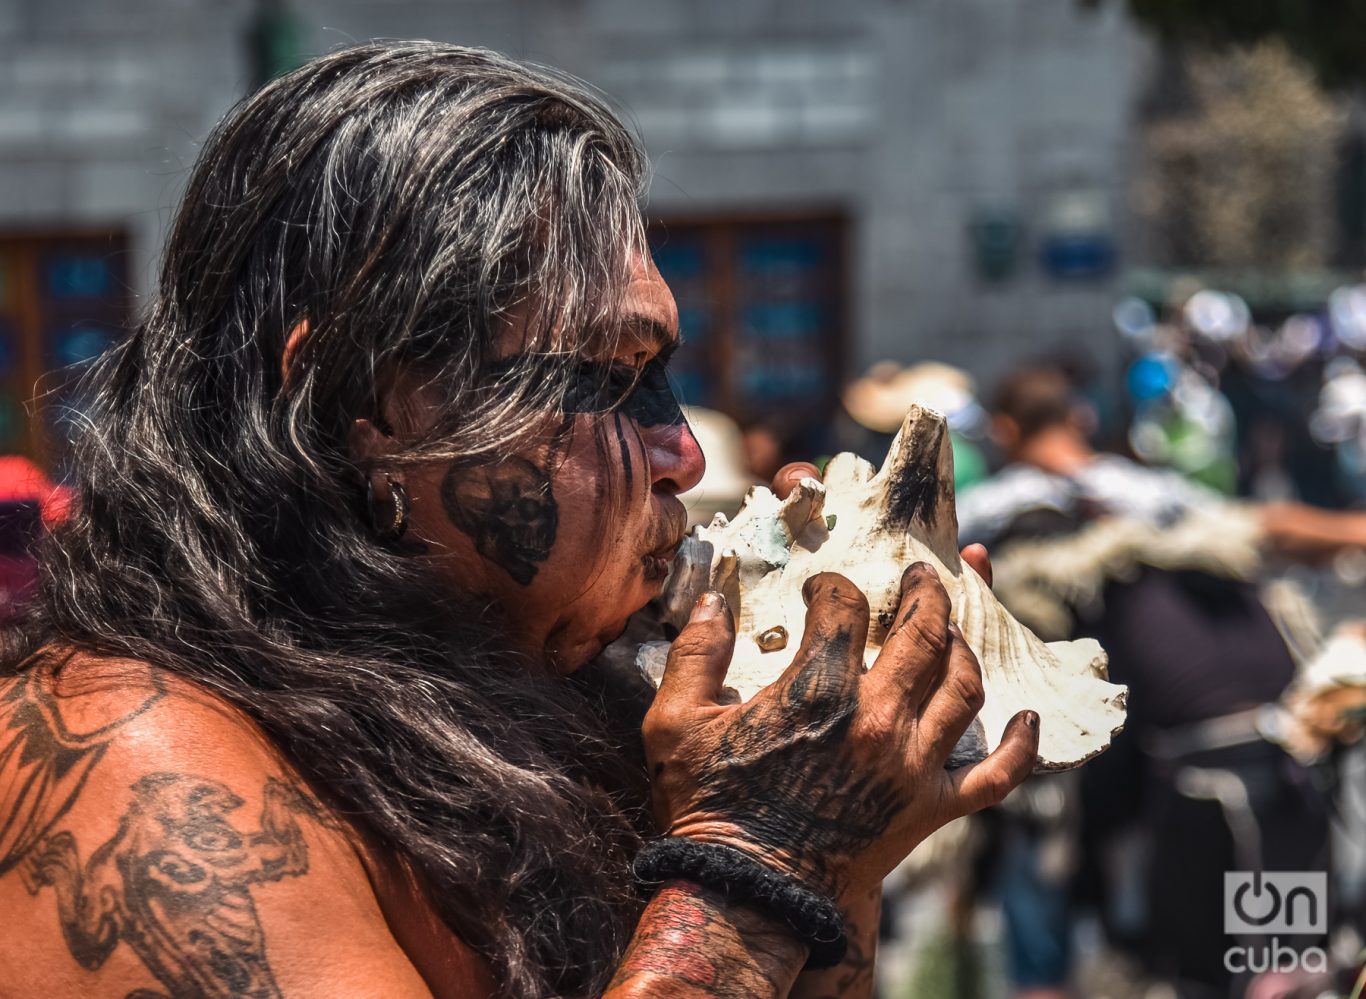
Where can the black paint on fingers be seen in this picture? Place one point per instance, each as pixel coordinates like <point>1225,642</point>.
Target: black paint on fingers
<point>824,806</point>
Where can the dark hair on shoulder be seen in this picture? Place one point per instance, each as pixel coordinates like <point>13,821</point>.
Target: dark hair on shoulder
<point>400,199</point>
<point>1035,398</point>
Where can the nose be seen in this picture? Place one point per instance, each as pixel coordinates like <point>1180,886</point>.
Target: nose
<point>676,459</point>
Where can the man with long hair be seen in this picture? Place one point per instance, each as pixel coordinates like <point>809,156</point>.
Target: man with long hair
<point>308,704</point>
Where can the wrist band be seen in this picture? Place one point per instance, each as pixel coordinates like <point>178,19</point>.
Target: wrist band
<point>811,915</point>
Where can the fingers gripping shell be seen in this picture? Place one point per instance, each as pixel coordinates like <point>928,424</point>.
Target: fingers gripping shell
<point>869,525</point>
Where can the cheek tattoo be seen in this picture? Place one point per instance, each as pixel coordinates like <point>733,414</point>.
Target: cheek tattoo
<point>508,508</point>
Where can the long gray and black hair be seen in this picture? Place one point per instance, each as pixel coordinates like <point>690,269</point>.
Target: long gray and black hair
<point>401,200</point>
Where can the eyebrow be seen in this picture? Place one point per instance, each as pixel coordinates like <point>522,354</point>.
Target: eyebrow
<point>649,330</point>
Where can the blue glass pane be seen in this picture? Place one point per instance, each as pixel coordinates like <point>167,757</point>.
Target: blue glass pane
<point>78,276</point>
<point>680,261</point>
<point>693,324</point>
<point>781,256</point>
<point>693,388</point>
<point>767,384</point>
<point>78,344</point>
<point>783,320</point>
<point>1070,257</point>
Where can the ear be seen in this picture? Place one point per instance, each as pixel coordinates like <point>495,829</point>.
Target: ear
<point>293,342</point>
<point>368,444</point>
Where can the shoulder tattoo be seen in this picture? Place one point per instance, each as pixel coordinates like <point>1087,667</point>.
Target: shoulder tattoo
<point>48,759</point>
<point>174,883</point>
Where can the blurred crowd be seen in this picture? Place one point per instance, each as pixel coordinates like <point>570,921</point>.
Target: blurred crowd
<point>1201,515</point>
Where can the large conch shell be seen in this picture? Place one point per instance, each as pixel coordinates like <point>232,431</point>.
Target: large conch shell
<point>869,526</point>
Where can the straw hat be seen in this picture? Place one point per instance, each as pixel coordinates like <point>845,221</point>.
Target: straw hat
<point>880,399</point>
<point>727,477</point>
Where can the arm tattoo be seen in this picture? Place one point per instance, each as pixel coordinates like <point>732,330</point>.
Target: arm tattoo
<point>853,977</point>
<point>172,883</point>
<point>689,937</point>
<point>508,508</point>
<point>826,808</point>
<point>47,759</point>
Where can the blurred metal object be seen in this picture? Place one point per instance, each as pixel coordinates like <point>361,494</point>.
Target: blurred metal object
<point>1135,319</point>
<point>1347,313</point>
<point>1217,315</point>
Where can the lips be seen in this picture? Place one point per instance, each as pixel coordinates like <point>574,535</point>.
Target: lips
<point>659,558</point>
<point>657,562</point>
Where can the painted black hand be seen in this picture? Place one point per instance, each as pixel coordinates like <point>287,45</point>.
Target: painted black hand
<point>832,773</point>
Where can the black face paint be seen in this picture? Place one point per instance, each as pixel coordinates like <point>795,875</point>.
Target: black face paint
<point>598,387</point>
<point>508,508</point>
<point>625,451</point>
<point>643,395</point>
<point>652,403</point>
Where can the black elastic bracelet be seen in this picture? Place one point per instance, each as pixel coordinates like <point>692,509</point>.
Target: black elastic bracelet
<point>812,916</point>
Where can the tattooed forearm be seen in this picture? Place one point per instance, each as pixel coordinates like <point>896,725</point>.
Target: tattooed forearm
<point>173,883</point>
<point>852,978</point>
<point>691,943</point>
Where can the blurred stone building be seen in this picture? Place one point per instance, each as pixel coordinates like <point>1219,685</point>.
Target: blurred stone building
<point>835,183</point>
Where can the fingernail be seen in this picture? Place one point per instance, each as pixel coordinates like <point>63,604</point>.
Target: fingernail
<point>708,605</point>
<point>808,589</point>
<point>911,574</point>
<point>1031,719</point>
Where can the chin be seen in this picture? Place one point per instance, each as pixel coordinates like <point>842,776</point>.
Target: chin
<point>581,653</point>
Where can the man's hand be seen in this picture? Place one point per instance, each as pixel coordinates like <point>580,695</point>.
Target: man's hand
<point>831,773</point>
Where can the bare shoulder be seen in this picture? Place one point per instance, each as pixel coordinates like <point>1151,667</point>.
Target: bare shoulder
<point>152,838</point>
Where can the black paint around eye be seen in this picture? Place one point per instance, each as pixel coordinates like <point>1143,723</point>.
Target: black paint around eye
<point>598,387</point>
<point>653,403</point>
<point>647,397</point>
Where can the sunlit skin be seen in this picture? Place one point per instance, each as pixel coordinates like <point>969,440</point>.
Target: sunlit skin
<point>598,573</point>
